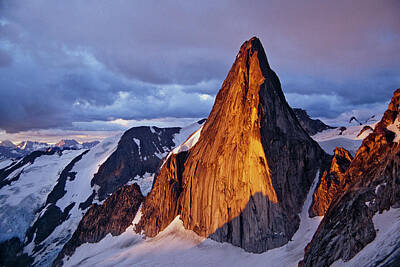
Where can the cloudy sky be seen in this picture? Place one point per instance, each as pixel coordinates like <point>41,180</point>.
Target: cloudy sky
<point>89,68</point>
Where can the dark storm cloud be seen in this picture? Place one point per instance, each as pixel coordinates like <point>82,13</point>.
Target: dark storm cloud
<point>80,61</point>
<point>345,94</point>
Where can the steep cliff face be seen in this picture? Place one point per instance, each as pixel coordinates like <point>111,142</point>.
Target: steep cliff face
<point>113,216</point>
<point>246,178</point>
<point>374,186</point>
<point>332,182</point>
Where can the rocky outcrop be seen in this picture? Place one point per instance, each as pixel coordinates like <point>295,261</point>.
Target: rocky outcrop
<point>332,182</point>
<point>112,217</point>
<point>354,120</point>
<point>247,177</point>
<point>311,126</point>
<point>365,129</point>
<point>374,186</point>
<point>139,151</point>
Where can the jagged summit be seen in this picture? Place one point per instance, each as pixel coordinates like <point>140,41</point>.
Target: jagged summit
<point>246,178</point>
<point>251,47</point>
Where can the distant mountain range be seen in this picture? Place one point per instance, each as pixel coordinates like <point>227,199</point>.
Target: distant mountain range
<point>8,150</point>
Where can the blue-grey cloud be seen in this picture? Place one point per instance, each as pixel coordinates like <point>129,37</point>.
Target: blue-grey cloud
<point>64,64</point>
<point>5,59</point>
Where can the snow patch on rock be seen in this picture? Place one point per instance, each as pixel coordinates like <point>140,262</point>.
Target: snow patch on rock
<point>348,139</point>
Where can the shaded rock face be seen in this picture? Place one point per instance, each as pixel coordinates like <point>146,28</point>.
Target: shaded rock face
<point>246,179</point>
<point>311,126</point>
<point>374,186</point>
<point>139,151</point>
<point>11,254</point>
<point>332,182</point>
<point>113,216</point>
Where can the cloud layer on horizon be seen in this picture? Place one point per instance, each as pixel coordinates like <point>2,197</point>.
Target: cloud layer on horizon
<point>70,65</point>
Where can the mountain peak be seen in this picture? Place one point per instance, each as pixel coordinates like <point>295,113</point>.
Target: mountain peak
<point>7,143</point>
<point>67,143</point>
<point>251,48</point>
<point>246,178</point>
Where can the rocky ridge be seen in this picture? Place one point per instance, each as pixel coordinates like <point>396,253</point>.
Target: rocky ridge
<point>373,187</point>
<point>311,126</point>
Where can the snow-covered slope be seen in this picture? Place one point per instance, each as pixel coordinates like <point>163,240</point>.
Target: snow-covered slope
<point>75,192</point>
<point>20,199</point>
<point>186,131</point>
<point>5,162</point>
<point>44,197</point>
<point>189,143</point>
<point>386,243</point>
<point>176,246</point>
<point>347,137</point>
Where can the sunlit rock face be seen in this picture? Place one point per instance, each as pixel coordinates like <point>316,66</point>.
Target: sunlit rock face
<point>373,186</point>
<point>247,177</point>
<point>332,182</point>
